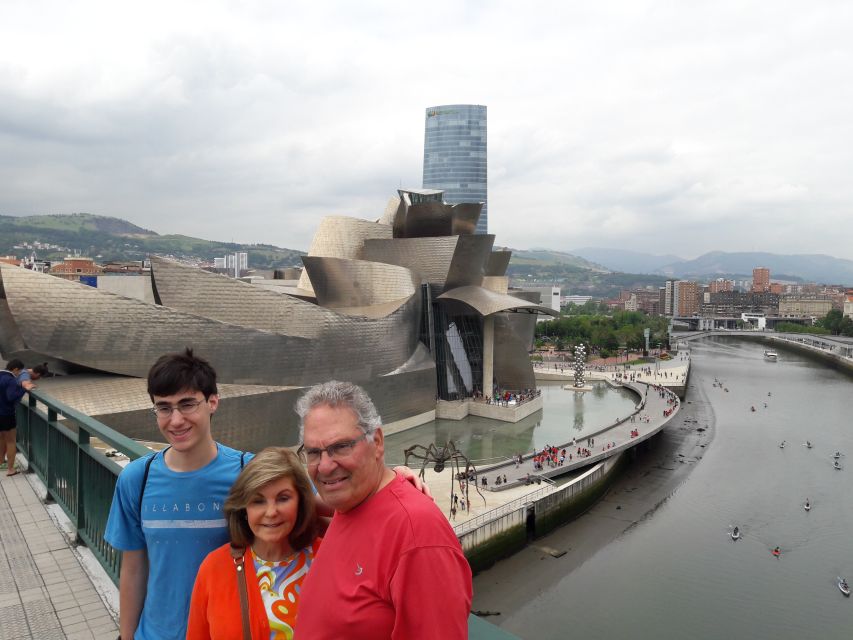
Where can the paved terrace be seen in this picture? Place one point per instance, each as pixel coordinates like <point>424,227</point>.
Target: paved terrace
<point>45,591</point>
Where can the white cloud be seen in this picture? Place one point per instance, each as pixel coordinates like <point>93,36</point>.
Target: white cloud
<point>675,127</point>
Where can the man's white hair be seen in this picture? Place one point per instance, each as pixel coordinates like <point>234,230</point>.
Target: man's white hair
<point>339,394</point>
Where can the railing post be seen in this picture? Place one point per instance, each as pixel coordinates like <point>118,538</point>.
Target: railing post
<point>52,418</point>
<point>80,520</point>
<point>31,409</point>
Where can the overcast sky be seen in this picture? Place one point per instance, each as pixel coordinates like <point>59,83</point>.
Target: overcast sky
<point>669,127</point>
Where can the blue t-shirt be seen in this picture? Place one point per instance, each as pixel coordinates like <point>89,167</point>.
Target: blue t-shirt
<point>182,520</point>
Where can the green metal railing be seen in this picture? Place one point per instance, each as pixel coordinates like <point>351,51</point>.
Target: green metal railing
<point>79,477</point>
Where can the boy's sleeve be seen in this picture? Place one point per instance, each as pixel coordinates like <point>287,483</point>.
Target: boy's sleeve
<point>124,526</point>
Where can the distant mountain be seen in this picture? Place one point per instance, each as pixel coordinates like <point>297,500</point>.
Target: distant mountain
<point>717,264</point>
<point>573,274</point>
<point>113,239</point>
<point>550,258</point>
<point>625,260</point>
<point>806,267</point>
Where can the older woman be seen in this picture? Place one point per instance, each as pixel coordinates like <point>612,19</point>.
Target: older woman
<point>272,520</point>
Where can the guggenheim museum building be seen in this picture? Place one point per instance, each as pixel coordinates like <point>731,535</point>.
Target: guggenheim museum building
<point>414,306</point>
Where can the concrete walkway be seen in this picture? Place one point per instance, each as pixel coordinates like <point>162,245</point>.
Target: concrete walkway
<point>44,590</point>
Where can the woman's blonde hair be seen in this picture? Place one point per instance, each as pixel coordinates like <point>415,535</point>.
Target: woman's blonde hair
<point>271,464</point>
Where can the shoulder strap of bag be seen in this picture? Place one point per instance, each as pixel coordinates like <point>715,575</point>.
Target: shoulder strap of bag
<point>145,479</point>
<point>238,554</point>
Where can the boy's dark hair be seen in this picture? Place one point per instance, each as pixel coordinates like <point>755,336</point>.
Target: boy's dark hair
<point>41,369</point>
<point>176,372</point>
<point>13,364</point>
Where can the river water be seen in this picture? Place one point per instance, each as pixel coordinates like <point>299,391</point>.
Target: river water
<point>565,415</point>
<point>675,572</point>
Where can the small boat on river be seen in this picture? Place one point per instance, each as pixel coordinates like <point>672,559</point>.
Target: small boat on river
<point>735,534</point>
<point>843,586</point>
<point>807,506</point>
<point>776,552</point>
<point>836,455</point>
<point>837,465</point>
<point>782,444</point>
<point>772,356</point>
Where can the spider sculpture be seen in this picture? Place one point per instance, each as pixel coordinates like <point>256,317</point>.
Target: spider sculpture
<point>441,456</point>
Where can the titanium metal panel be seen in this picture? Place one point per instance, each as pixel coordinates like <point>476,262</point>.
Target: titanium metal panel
<point>110,333</point>
<point>342,237</point>
<point>429,258</point>
<point>465,217</point>
<point>390,212</point>
<point>216,296</point>
<point>429,219</point>
<point>219,297</point>
<point>487,302</point>
<point>498,263</point>
<point>341,283</point>
<point>469,260</point>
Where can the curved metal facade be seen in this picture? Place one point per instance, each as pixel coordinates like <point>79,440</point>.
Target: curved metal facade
<point>487,302</point>
<point>342,237</point>
<point>109,333</point>
<point>359,284</point>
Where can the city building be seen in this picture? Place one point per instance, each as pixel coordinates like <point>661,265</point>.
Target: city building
<point>575,299</point>
<point>801,306</point>
<point>760,279</point>
<point>235,264</point>
<point>669,298</point>
<point>848,305</point>
<point>76,269</point>
<point>721,284</point>
<point>732,304</point>
<point>549,296</point>
<point>686,296</point>
<point>455,155</point>
<point>645,300</point>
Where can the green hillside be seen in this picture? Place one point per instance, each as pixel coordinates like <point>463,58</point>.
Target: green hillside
<point>112,239</point>
<point>574,275</point>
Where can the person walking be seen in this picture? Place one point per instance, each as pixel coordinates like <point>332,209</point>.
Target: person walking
<point>11,392</point>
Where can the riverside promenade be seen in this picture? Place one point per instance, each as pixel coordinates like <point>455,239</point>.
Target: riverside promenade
<point>45,591</point>
<point>494,498</point>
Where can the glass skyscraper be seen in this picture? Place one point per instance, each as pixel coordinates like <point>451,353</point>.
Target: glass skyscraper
<point>455,159</point>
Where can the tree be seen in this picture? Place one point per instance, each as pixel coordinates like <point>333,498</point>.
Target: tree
<point>832,321</point>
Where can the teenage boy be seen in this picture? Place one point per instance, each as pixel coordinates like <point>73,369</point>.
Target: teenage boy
<point>166,514</point>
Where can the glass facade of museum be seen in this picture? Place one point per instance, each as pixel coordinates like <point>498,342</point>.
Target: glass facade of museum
<point>455,155</point>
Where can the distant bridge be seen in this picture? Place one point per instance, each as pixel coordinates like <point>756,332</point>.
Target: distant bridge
<point>837,348</point>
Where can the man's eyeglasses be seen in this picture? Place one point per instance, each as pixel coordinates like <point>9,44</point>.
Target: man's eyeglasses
<point>312,455</point>
<point>185,407</point>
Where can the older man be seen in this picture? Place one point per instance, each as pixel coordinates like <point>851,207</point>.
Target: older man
<point>390,565</point>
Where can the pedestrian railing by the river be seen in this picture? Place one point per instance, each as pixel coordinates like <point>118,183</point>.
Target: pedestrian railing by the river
<point>513,505</point>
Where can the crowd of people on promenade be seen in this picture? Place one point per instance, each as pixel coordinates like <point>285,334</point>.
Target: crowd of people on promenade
<point>327,542</point>
<point>550,456</point>
<point>505,398</point>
